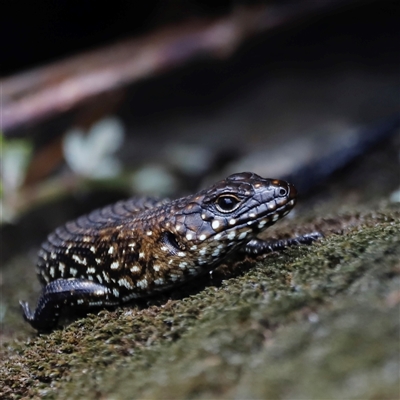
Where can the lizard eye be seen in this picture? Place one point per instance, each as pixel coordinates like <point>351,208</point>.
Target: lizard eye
<point>227,203</point>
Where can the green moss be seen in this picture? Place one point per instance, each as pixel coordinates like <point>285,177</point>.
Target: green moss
<point>310,322</point>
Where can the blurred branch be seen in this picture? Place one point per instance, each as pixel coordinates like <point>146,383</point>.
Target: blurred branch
<point>34,96</point>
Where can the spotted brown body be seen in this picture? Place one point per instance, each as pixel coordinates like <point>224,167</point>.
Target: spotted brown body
<point>138,247</point>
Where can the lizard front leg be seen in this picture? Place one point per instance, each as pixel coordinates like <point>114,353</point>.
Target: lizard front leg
<point>259,246</point>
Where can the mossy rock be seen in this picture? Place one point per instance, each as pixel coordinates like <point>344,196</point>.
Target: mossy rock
<point>311,322</point>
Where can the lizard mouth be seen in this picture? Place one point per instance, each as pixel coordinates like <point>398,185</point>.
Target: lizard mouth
<point>252,226</point>
<point>269,217</point>
<point>267,213</point>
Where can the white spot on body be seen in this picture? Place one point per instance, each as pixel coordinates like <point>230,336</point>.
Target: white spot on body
<point>111,250</point>
<point>232,221</point>
<point>106,277</point>
<point>232,235</point>
<point>275,217</point>
<point>98,261</point>
<point>130,296</point>
<point>218,236</point>
<point>61,268</point>
<point>242,235</point>
<point>73,271</point>
<point>141,255</point>
<point>99,278</point>
<point>92,249</point>
<point>125,282</point>
<point>203,251</point>
<point>156,268</point>
<point>252,215</point>
<point>91,270</point>
<point>142,284</point>
<point>183,264</point>
<point>52,272</point>
<point>79,260</point>
<point>134,269</point>
<point>159,281</point>
<point>149,233</point>
<point>174,277</point>
<point>194,247</point>
<point>215,252</point>
<point>114,265</point>
<point>261,224</point>
<point>202,237</point>
<point>115,292</point>
<point>164,248</point>
<point>80,301</point>
<point>181,254</point>
<point>189,236</point>
<point>132,244</point>
<point>215,224</point>
<point>95,303</point>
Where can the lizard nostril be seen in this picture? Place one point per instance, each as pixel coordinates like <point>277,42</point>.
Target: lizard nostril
<point>282,192</point>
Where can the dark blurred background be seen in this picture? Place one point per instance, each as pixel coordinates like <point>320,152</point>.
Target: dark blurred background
<point>190,92</point>
<point>38,33</point>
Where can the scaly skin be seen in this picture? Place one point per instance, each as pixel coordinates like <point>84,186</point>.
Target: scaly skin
<point>138,247</point>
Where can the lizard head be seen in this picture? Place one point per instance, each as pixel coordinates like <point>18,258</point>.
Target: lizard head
<point>227,215</point>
